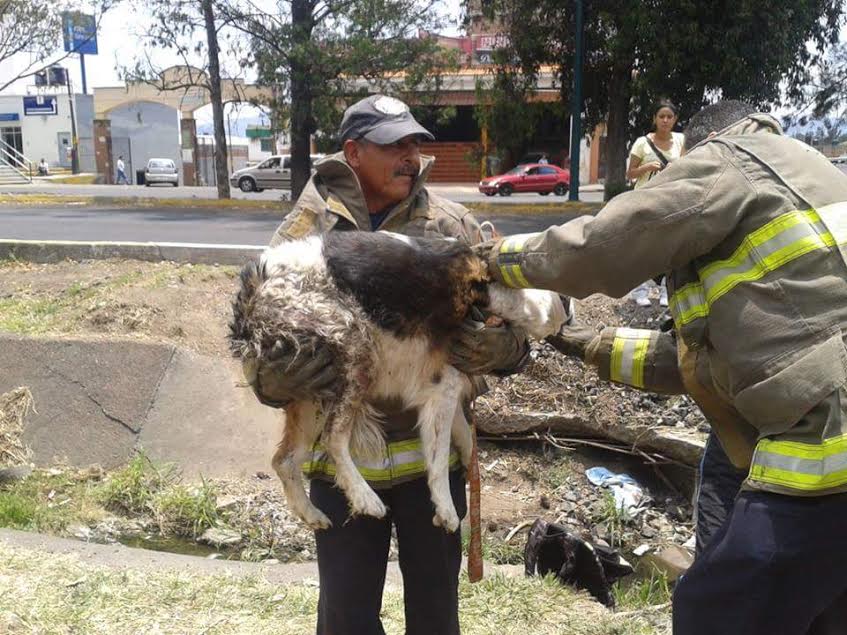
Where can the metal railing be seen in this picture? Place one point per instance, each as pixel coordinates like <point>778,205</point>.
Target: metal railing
<point>11,157</point>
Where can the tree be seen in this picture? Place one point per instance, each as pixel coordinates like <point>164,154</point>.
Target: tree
<point>829,90</point>
<point>688,51</point>
<point>175,27</point>
<point>31,35</point>
<point>319,54</point>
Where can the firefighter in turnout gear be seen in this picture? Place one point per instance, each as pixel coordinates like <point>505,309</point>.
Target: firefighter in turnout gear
<point>752,228</point>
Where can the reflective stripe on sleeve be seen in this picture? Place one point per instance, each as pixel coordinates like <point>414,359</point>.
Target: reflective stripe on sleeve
<point>508,260</point>
<point>802,466</point>
<point>783,240</point>
<point>401,460</point>
<point>629,354</point>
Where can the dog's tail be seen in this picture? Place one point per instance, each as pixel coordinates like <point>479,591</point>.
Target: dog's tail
<point>240,331</point>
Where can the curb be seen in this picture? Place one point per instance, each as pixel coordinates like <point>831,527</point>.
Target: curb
<point>51,251</point>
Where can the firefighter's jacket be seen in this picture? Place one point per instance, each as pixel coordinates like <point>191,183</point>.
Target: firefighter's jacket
<point>333,200</point>
<point>752,226</point>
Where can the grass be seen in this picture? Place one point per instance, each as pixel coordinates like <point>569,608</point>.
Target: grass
<point>146,488</point>
<point>43,200</point>
<point>644,592</point>
<point>27,313</point>
<point>48,593</point>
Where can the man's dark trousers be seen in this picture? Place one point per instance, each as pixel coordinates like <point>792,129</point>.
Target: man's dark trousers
<point>778,566</point>
<point>353,553</point>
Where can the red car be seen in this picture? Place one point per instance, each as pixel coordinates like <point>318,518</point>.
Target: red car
<point>531,177</point>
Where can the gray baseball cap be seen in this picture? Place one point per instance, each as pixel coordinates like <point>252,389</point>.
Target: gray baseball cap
<point>381,120</point>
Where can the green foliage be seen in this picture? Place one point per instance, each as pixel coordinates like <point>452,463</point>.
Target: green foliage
<point>144,487</point>
<point>642,592</point>
<point>17,511</point>
<point>636,53</point>
<point>309,54</point>
<point>133,488</point>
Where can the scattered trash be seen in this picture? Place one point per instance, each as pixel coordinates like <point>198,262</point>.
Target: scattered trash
<point>640,550</point>
<point>673,561</point>
<point>550,548</point>
<point>626,490</point>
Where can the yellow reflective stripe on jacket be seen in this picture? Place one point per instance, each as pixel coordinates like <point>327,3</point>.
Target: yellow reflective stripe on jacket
<point>629,353</point>
<point>508,260</point>
<point>777,243</point>
<point>402,459</point>
<point>801,466</point>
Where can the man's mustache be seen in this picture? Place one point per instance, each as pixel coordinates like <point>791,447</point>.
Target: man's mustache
<point>408,170</point>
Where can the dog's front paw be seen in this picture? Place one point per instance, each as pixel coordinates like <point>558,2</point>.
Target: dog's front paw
<point>447,518</point>
<point>367,503</point>
<point>315,518</point>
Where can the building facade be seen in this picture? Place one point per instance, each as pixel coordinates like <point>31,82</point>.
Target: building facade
<point>39,126</point>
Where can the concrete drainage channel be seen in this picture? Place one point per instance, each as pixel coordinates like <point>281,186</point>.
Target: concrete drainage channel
<point>47,251</point>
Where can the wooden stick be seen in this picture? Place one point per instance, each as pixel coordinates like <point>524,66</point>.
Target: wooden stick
<point>475,544</point>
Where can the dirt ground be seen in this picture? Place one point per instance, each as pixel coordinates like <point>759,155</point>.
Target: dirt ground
<point>190,306</point>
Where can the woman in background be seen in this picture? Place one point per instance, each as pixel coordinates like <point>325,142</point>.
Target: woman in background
<point>649,155</point>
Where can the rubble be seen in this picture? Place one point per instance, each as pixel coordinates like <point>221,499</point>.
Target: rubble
<point>564,397</point>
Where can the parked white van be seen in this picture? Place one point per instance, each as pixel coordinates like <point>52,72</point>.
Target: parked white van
<point>271,174</point>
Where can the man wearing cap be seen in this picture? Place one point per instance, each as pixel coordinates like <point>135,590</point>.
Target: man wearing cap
<point>377,182</point>
<point>752,226</point>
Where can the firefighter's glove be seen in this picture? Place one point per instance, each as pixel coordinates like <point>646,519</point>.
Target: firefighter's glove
<point>478,349</point>
<point>573,341</point>
<point>287,374</point>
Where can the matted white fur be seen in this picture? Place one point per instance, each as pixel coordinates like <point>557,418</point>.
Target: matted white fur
<point>299,255</point>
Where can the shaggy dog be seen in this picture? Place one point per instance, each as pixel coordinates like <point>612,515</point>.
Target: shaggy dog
<point>386,306</point>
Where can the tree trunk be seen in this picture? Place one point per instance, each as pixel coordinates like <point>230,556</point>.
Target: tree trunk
<point>616,129</point>
<point>302,123</point>
<point>221,168</point>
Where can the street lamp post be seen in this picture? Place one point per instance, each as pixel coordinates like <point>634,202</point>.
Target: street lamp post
<point>576,105</point>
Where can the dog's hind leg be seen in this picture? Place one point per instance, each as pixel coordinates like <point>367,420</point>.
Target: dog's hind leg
<point>436,418</point>
<point>461,435</point>
<point>337,435</point>
<point>300,431</point>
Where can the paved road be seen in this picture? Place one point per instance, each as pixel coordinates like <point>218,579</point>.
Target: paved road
<point>462,193</point>
<point>181,225</point>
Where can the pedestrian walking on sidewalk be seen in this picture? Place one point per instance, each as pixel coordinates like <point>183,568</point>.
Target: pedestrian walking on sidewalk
<point>121,172</point>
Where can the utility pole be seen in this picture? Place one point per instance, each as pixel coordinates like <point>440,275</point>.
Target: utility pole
<point>576,105</point>
<point>74,140</point>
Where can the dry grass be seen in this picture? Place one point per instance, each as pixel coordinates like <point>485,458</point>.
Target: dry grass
<point>14,406</point>
<point>47,593</point>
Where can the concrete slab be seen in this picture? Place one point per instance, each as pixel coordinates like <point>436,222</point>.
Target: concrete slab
<point>206,420</point>
<point>91,397</point>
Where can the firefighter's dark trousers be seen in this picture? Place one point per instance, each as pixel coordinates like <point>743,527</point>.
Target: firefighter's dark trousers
<point>353,553</point>
<point>778,566</point>
<point>718,483</point>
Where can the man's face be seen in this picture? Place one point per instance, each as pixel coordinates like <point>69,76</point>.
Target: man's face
<point>386,172</point>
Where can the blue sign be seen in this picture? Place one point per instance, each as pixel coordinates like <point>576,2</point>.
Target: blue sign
<point>80,32</point>
<point>41,105</point>
<point>9,116</point>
